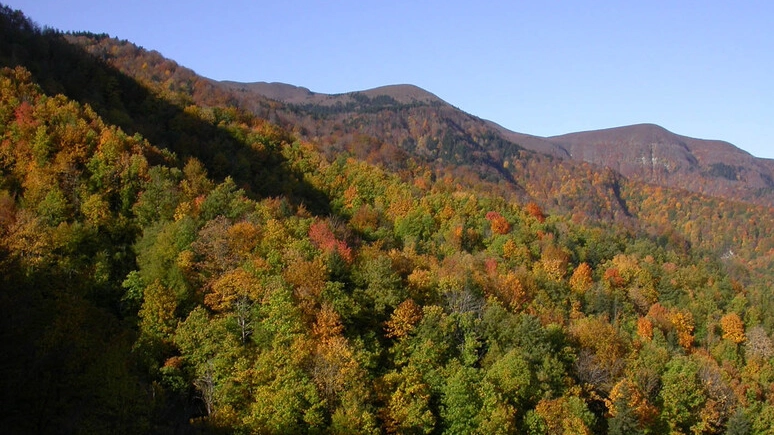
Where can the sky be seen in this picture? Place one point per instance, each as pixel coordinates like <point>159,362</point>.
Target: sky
<point>702,69</point>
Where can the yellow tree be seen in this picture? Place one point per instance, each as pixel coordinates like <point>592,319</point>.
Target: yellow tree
<point>645,328</point>
<point>230,287</point>
<point>403,319</point>
<point>408,403</point>
<point>683,324</point>
<point>581,279</point>
<point>553,262</point>
<point>157,315</point>
<point>308,279</point>
<point>328,323</point>
<point>563,415</point>
<point>733,328</point>
<point>511,291</point>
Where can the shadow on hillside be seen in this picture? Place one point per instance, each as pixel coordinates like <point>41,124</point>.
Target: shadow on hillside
<point>61,67</point>
<point>68,363</point>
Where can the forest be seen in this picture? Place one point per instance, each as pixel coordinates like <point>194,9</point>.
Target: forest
<point>175,263</point>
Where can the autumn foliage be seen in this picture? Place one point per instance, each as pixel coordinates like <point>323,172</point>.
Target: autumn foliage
<point>173,262</point>
<point>498,223</point>
<point>403,319</point>
<point>534,210</point>
<point>733,328</point>
<point>322,236</point>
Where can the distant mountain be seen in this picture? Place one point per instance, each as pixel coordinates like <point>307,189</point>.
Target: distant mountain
<point>644,152</point>
<point>399,94</point>
<point>652,154</point>
<point>407,129</point>
<point>391,125</point>
<point>182,255</point>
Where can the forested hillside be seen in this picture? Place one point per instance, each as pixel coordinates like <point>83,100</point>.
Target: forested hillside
<point>423,126</point>
<point>176,263</point>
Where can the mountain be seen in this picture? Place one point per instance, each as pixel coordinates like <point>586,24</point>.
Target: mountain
<point>181,255</point>
<point>652,154</point>
<point>645,152</point>
<point>398,94</point>
<point>392,125</point>
<point>423,139</point>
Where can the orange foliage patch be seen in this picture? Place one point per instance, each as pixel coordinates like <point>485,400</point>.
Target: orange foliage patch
<point>536,212</point>
<point>498,223</point>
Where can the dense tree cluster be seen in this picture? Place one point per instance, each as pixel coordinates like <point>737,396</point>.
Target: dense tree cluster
<point>142,293</point>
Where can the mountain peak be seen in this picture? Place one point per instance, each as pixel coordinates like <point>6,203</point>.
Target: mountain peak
<point>290,94</point>
<point>645,132</point>
<point>405,94</point>
<point>653,154</point>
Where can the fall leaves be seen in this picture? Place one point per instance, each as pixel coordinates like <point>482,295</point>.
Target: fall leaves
<point>410,305</point>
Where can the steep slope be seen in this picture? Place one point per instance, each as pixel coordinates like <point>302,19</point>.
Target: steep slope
<point>139,295</point>
<point>395,125</point>
<point>652,154</point>
<point>417,135</point>
<point>591,175</point>
<point>408,130</point>
<point>410,118</point>
<point>392,126</point>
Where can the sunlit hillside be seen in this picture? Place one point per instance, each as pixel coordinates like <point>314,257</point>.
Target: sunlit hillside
<point>179,258</point>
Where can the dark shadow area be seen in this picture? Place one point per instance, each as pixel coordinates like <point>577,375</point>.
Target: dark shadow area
<point>60,67</point>
<point>68,363</point>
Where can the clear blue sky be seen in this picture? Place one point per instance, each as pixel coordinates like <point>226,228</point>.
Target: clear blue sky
<point>698,68</point>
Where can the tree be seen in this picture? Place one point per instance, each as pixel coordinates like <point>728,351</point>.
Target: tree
<point>629,408</point>
<point>408,403</point>
<point>682,394</point>
<point>158,311</point>
<point>403,319</point>
<point>283,396</point>
<point>322,236</point>
<point>232,287</point>
<point>607,349</point>
<point>535,211</point>
<point>334,369</point>
<point>738,424</point>
<point>308,278</point>
<point>460,401</point>
<point>553,261</point>
<point>645,328</point>
<point>733,328</point>
<point>160,198</point>
<point>564,415</point>
<point>511,378</point>
<point>622,421</point>
<point>284,399</point>
<point>758,345</point>
<point>498,223</point>
<point>581,279</point>
<point>683,323</point>
<point>378,285</point>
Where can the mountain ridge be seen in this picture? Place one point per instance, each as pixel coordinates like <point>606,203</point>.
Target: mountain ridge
<point>175,263</point>
<point>649,153</point>
<point>644,152</point>
<point>292,94</point>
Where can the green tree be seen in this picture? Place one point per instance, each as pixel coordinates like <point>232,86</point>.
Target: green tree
<point>460,403</point>
<point>408,404</point>
<point>379,287</point>
<point>682,394</point>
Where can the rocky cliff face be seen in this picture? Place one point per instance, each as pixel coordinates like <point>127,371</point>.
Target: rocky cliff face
<point>652,154</point>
